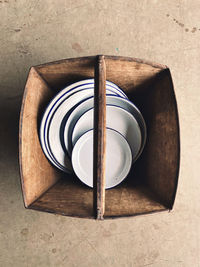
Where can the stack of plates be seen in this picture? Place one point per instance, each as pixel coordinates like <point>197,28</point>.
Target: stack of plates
<point>66,132</point>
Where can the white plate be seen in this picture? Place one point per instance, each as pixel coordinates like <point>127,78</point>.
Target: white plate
<point>117,119</point>
<point>55,130</point>
<point>56,101</point>
<point>118,158</point>
<point>110,100</point>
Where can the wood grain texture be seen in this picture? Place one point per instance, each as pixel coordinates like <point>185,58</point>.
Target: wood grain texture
<point>69,197</point>
<point>99,155</point>
<point>162,152</point>
<point>124,71</point>
<point>37,174</point>
<point>130,74</point>
<point>152,182</point>
<point>60,74</point>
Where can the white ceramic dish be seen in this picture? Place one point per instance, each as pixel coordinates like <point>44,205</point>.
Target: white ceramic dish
<point>56,101</point>
<point>117,119</point>
<point>118,158</point>
<point>110,100</point>
<point>55,129</point>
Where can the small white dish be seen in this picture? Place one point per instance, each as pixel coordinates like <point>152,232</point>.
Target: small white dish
<point>54,104</point>
<point>110,100</point>
<point>118,158</point>
<point>117,119</point>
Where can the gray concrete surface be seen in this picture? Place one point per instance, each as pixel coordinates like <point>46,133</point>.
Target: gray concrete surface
<point>38,31</point>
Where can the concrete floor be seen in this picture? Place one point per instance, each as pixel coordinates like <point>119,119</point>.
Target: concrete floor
<point>34,32</point>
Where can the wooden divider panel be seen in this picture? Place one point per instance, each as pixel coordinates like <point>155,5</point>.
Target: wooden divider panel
<point>99,155</point>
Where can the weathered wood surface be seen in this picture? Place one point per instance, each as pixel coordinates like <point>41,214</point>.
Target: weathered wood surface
<point>124,71</point>
<point>150,87</point>
<point>69,197</point>
<point>37,174</point>
<point>162,151</point>
<point>99,155</point>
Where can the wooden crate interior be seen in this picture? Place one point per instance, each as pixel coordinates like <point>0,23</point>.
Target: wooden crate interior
<point>151,184</point>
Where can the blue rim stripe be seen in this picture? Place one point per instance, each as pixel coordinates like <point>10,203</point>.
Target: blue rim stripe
<point>45,125</point>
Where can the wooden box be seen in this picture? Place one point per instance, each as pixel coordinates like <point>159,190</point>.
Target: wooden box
<point>152,182</point>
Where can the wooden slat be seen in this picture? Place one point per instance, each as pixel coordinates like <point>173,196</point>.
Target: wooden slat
<point>161,115</point>
<point>69,197</point>
<point>126,72</point>
<point>99,138</point>
<point>37,174</point>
